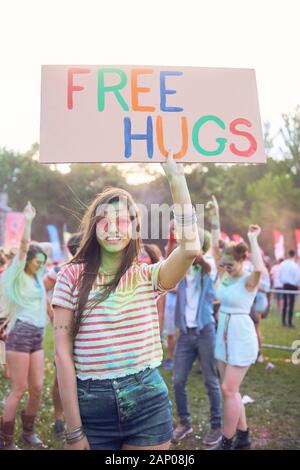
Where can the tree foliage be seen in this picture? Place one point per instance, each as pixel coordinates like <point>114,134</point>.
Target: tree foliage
<point>265,194</point>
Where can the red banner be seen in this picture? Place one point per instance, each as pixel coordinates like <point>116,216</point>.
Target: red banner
<point>224,237</point>
<point>297,236</point>
<point>237,238</point>
<point>14,226</point>
<point>279,250</point>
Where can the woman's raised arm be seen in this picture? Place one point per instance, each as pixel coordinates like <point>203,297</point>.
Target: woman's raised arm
<point>29,213</point>
<point>213,208</point>
<point>178,262</point>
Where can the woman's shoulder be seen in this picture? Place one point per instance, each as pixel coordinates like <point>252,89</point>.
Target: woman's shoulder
<point>70,271</point>
<point>145,269</point>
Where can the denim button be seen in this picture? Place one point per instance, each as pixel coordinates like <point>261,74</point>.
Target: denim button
<point>115,382</point>
<point>118,390</point>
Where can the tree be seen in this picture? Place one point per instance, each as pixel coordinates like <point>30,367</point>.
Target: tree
<point>291,136</point>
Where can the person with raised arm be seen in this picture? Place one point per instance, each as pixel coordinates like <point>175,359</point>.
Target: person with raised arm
<point>26,307</point>
<point>107,337</point>
<point>236,343</point>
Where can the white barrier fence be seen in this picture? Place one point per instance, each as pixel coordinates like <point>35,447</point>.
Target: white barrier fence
<point>275,346</point>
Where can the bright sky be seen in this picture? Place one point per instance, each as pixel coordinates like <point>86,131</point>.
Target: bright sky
<point>261,34</point>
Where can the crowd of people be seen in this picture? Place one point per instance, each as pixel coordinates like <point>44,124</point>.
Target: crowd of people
<point>111,305</point>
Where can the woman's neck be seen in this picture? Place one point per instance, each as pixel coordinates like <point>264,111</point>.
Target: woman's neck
<point>238,273</point>
<point>110,262</point>
<point>29,273</point>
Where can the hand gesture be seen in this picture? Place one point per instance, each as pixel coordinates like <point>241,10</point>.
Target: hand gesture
<point>171,168</point>
<point>213,207</point>
<point>29,212</point>
<point>253,232</point>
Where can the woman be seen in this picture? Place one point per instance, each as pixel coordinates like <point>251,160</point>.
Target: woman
<point>196,339</point>
<point>25,304</point>
<point>106,325</point>
<point>3,319</point>
<point>236,343</point>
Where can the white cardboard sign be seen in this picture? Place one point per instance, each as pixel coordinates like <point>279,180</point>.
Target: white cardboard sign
<point>135,114</point>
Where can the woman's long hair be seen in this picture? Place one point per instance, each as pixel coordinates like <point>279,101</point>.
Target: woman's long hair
<point>89,252</point>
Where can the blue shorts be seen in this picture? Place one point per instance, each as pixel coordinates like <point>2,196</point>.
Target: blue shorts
<point>24,337</point>
<point>133,410</point>
<point>261,302</point>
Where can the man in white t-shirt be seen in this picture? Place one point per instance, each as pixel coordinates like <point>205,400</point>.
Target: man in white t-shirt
<point>289,276</point>
<point>276,283</point>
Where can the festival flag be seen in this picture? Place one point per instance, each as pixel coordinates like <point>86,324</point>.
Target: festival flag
<point>279,250</point>
<point>237,238</point>
<point>297,236</point>
<point>224,237</point>
<point>55,242</point>
<point>14,226</point>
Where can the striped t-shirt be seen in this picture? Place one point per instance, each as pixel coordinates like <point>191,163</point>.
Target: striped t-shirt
<point>119,336</point>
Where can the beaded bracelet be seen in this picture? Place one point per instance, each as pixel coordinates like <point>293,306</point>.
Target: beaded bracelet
<point>76,439</point>
<point>184,220</point>
<point>74,435</point>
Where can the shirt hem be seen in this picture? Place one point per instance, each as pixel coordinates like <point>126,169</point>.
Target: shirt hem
<point>112,376</point>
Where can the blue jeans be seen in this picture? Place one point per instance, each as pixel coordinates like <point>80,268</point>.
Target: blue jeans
<point>132,410</point>
<point>189,346</point>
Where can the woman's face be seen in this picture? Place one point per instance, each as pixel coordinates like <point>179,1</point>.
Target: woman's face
<point>231,266</point>
<point>35,264</point>
<point>113,227</point>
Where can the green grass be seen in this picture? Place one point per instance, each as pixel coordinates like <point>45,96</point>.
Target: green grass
<point>274,417</point>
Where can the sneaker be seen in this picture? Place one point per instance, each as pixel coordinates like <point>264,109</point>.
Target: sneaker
<point>59,428</point>
<point>242,440</point>
<point>181,431</point>
<point>212,437</point>
<point>168,365</point>
<point>223,444</point>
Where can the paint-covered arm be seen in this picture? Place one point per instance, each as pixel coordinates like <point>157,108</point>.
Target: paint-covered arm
<point>49,283</point>
<point>256,258</point>
<point>174,268</point>
<point>29,213</point>
<point>63,340</point>
<point>50,311</point>
<point>213,208</point>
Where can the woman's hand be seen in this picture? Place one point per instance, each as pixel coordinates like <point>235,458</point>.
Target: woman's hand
<point>83,444</point>
<point>171,168</point>
<point>29,212</point>
<point>253,232</point>
<point>213,207</point>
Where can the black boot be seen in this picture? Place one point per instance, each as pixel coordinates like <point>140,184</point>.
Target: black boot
<point>224,444</point>
<point>242,440</point>
<point>7,435</point>
<point>29,436</point>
